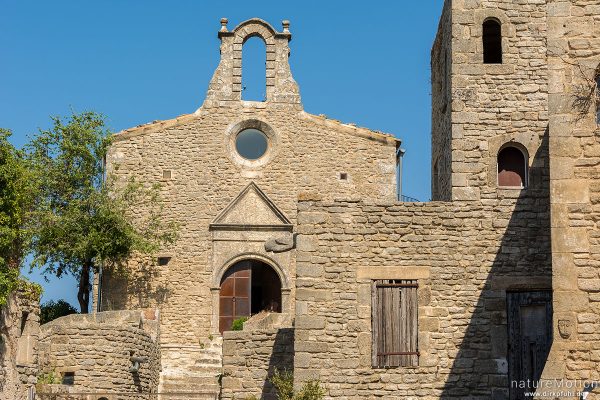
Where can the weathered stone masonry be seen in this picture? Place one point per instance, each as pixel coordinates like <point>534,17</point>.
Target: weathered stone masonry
<point>573,64</point>
<point>333,185</point>
<point>250,357</point>
<point>306,153</point>
<point>19,331</point>
<point>98,350</point>
<point>465,256</point>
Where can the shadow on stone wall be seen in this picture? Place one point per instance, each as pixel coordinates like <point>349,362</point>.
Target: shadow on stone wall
<point>480,369</point>
<point>282,359</point>
<point>118,288</point>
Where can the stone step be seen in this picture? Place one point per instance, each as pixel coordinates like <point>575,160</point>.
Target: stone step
<point>209,361</point>
<point>188,396</point>
<point>191,381</point>
<point>204,370</point>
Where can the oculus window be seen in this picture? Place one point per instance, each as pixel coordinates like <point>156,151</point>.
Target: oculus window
<point>251,144</point>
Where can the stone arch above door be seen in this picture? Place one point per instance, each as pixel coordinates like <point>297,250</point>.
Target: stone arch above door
<point>248,287</point>
<point>220,272</point>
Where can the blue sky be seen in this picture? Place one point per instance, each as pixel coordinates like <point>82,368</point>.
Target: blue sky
<point>139,61</point>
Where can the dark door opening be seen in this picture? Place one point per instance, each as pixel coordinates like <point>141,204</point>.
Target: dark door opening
<point>529,339</point>
<point>247,288</point>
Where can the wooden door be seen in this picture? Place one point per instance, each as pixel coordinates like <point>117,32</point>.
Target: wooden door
<point>529,339</point>
<point>234,296</point>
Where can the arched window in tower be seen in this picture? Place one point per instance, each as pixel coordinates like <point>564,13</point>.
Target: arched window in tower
<point>492,42</point>
<point>512,167</point>
<point>254,72</point>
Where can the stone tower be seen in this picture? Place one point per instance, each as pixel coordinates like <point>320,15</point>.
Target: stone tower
<point>490,92</point>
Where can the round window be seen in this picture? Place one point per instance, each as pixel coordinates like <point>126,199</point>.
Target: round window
<point>251,144</point>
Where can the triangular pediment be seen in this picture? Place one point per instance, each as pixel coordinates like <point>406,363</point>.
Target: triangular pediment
<point>251,209</point>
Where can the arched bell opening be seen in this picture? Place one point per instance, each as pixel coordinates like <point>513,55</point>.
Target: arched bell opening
<point>247,288</point>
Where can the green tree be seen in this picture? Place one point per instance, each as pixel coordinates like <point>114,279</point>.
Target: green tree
<point>83,219</point>
<point>51,310</point>
<point>16,199</point>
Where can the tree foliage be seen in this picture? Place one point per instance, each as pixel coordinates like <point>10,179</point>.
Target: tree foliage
<point>84,219</point>
<point>16,199</point>
<point>51,310</point>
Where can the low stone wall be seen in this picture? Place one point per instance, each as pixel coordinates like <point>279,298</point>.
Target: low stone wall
<point>19,330</point>
<point>96,349</point>
<point>250,357</point>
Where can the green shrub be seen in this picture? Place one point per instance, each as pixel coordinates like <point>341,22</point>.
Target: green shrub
<point>311,390</point>
<point>48,378</point>
<point>283,382</point>
<point>238,324</point>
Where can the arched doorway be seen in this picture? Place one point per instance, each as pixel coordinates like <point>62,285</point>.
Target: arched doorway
<point>247,288</point>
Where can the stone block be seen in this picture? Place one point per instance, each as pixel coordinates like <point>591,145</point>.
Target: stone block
<point>309,270</point>
<point>311,347</point>
<point>310,322</point>
<point>570,301</point>
<point>466,194</point>
<point>313,294</point>
<point>570,191</point>
<point>570,240</point>
<point>429,324</point>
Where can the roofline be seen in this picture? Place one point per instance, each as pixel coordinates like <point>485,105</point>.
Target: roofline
<point>184,118</point>
<point>152,127</point>
<point>353,129</point>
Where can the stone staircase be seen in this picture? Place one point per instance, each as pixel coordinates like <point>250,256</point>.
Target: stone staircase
<point>191,372</point>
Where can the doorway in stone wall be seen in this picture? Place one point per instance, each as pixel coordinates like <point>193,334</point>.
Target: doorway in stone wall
<point>529,339</point>
<point>247,288</point>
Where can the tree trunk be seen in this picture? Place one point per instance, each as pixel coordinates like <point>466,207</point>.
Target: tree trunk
<point>83,293</point>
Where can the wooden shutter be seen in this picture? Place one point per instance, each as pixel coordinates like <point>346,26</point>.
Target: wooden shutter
<point>394,323</point>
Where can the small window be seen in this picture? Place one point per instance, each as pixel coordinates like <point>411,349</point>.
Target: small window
<point>251,144</point>
<point>394,323</point>
<point>163,261</point>
<point>435,180</point>
<point>512,168</point>
<point>166,174</point>
<point>344,176</point>
<point>68,378</point>
<point>492,42</point>
<point>24,318</point>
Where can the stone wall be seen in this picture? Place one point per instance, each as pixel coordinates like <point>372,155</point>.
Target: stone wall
<point>19,331</point>
<point>250,356</point>
<point>97,348</point>
<point>573,43</point>
<point>465,256</point>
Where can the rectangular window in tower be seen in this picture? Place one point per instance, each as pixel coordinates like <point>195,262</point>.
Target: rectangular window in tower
<point>394,323</point>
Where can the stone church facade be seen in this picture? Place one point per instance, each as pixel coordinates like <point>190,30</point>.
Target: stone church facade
<point>476,294</point>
